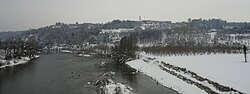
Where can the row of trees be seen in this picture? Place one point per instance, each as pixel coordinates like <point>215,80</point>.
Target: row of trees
<point>19,48</point>
<point>188,50</point>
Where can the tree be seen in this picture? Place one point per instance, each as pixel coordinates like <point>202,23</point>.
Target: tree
<point>125,50</point>
<point>31,46</point>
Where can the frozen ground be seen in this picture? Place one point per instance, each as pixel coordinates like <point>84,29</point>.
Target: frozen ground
<point>221,73</point>
<point>13,62</point>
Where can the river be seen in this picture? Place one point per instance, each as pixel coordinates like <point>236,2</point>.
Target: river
<point>69,74</point>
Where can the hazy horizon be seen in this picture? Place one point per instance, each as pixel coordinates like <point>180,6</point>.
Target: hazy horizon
<point>25,14</point>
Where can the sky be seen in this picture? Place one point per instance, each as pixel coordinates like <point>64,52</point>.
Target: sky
<point>30,14</point>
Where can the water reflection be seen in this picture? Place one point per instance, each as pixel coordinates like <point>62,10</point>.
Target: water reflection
<point>69,74</point>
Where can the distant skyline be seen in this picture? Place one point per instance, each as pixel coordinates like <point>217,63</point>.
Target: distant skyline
<point>24,14</point>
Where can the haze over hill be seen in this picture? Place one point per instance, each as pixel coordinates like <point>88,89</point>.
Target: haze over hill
<point>25,14</point>
<point>193,32</point>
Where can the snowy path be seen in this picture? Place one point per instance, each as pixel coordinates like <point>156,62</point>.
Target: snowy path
<point>197,74</point>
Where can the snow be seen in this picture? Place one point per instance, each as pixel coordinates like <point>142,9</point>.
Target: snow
<point>105,85</point>
<point>102,63</point>
<point>80,54</point>
<point>212,34</point>
<point>88,83</point>
<point>226,69</point>
<point>113,88</point>
<point>117,88</point>
<point>14,62</point>
<point>234,38</point>
<point>166,79</point>
<point>116,30</point>
<point>66,51</point>
<point>86,55</point>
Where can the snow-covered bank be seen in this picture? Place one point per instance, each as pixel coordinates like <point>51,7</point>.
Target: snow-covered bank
<point>222,73</point>
<point>13,62</point>
<point>86,55</point>
<point>105,85</point>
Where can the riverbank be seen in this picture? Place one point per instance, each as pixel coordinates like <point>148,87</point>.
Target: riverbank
<point>221,73</point>
<point>14,62</point>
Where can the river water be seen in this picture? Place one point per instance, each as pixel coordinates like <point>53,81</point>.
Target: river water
<point>69,74</point>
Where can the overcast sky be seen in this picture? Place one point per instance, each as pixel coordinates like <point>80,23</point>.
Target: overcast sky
<point>25,14</point>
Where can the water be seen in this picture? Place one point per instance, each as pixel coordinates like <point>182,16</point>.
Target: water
<point>69,74</point>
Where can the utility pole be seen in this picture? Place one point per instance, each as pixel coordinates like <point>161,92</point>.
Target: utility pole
<point>245,52</point>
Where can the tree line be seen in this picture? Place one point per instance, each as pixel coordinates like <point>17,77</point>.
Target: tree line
<point>16,49</point>
<point>191,50</point>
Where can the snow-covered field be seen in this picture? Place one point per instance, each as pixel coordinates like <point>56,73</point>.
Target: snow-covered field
<point>221,73</point>
<point>14,62</point>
